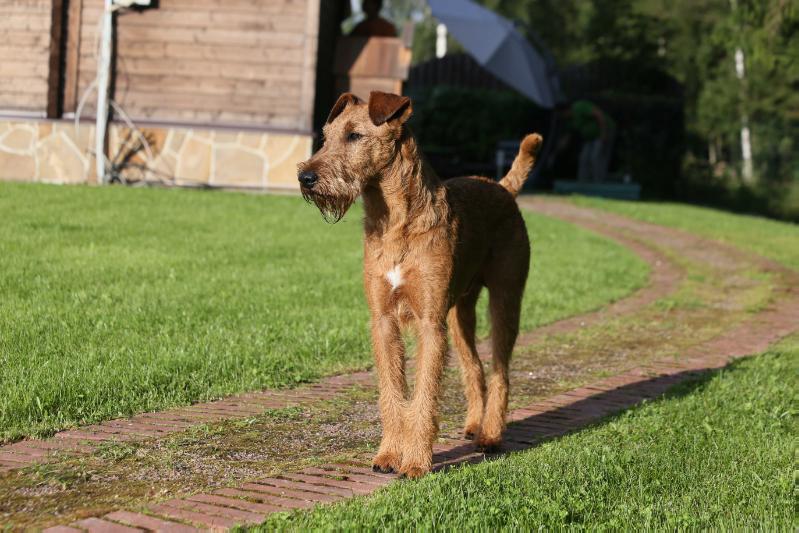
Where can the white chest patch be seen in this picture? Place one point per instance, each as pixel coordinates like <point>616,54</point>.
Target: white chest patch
<point>394,277</point>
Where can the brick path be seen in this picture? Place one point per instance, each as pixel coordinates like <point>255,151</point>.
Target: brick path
<point>664,278</point>
<point>251,502</point>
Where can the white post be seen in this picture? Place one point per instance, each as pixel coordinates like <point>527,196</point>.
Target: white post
<point>746,140</point>
<point>103,77</point>
<point>441,41</point>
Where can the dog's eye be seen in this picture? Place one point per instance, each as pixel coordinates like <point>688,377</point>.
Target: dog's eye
<point>354,136</point>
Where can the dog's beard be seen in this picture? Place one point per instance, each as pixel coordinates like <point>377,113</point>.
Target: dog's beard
<point>333,208</point>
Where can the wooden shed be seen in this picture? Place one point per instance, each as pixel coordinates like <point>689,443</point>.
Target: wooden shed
<point>227,92</point>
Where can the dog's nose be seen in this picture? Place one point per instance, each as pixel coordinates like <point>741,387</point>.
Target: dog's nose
<point>308,179</point>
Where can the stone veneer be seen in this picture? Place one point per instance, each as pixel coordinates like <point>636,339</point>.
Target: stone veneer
<point>57,152</point>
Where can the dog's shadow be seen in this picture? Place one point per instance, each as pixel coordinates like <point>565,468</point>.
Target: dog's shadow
<point>542,422</point>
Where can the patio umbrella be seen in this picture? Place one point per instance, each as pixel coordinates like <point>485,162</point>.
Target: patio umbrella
<point>495,43</point>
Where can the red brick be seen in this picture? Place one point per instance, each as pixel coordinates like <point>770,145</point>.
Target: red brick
<point>17,459</point>
<point>257,406</point>
<point>531,434</point>
<point>371,480</point>
<point>270,402</point>
<point>347,488</point>
<point>331,389</point>
<point>163,423</point>
<point>285,488</point>
<point>240,516</point>
<point>195,413</point>
<point>80,435</point>
<point>545,424</point>
<point>529,411</point>
<point>236,503</point>
<point>239,407</point>
<point>582,393</point>
<point>61,445</point>
<point>285,398</point>
<point>185,415</point>
<point>456,441</point>
<point>297,398</point>
<point>474,457</point>
<point>24,448</point>
<point>219,413</point>
<point>349,467</point>
<point>314,394</point>
<point>195,517</point>
<point>138,425</point>
<point>98,525</point>
<point>266,497</point>
<point>443,448</point>
<point>120,434</point>
<point>340,476</point>
<point>557,401</point>
<point>628,378</point>
<point>115,428</point>
<point>148,522</point>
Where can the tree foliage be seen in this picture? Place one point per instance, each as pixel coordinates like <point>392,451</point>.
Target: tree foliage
<point>694,41</point>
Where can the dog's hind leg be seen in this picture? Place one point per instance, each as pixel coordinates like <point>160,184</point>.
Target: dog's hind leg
<point>462,323</point>
<point>506,279</point>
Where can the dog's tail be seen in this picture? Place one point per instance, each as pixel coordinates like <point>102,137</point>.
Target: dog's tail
<point>522,165</point>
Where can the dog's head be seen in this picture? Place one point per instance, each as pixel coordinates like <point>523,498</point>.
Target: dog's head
<point>360,140</point>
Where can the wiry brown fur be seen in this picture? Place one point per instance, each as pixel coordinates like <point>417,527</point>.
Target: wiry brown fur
<point>429,248</point>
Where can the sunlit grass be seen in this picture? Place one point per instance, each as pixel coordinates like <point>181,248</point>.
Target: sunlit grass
<point>773,239</point>
<point>116,300</point>
<point>716,454</point>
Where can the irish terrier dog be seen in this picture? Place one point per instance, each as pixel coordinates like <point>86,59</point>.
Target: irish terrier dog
<point>429,248</point>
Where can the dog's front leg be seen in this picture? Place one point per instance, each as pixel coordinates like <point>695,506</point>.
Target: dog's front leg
<point>389,351</point>
<point>422,414</point>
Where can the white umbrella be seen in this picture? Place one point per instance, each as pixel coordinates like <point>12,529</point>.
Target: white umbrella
<point>496,44</point>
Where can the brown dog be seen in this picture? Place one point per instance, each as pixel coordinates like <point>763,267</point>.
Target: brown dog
<point>429,248</point>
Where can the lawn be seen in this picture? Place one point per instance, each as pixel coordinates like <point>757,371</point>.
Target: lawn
<point>775,240</point>
<point>715,454</point>
<point>117,300</point>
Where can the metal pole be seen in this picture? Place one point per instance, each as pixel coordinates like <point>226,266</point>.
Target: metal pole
<point>103,76</point>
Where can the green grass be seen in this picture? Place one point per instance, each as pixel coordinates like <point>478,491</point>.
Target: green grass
<point>116,300</point>
<point>717,454</point>
<point>775,240</point>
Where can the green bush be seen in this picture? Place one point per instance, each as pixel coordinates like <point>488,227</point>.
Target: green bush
<point>467,123</point>
<point>701,184</point>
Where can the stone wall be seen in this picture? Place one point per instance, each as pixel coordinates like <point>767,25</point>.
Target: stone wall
<point>58,152</point>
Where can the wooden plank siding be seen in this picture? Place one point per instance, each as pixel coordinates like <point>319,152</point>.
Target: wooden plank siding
<point>25,53</point>
<point>248,62</point>
<point>72,55</point>
<point>54,74</point>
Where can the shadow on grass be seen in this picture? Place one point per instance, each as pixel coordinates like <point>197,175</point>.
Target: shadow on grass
<point>545,421</point>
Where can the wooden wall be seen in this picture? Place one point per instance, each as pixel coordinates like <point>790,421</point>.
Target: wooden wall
<point>204,61</point>
<point>25,32</point>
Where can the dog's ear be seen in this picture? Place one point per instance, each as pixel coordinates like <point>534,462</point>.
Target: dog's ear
<point>343,101</point>
<point>384,107</point>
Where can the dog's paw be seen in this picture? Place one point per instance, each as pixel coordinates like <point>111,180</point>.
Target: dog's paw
<point>470,431</point>
<point>488,444</point>
<point>413,472</point>
<point>386,463</point>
